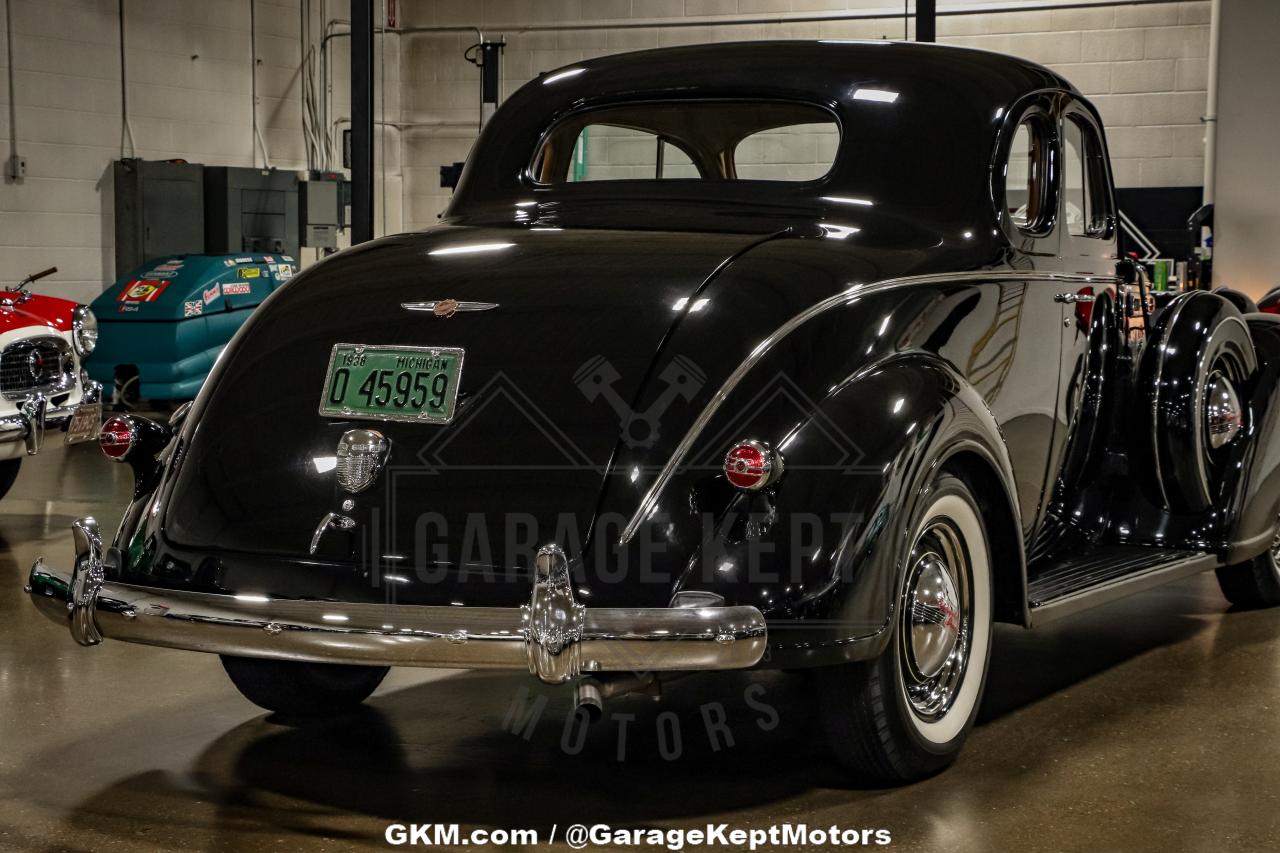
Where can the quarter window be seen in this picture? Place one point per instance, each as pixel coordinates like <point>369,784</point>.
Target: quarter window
<point>1027,196</point>
<point>1087,208</point>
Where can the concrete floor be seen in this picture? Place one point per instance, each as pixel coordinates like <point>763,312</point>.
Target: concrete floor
<point>1148,725</point>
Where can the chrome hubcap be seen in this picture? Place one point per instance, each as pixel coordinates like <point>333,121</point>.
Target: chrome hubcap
<point>1223,417</point>
<point>935,616</point>
<point>936,626</point>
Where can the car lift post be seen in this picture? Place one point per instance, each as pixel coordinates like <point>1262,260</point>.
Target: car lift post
<point>361,121</point>
<point>927,20</point>
<point>490,62</point>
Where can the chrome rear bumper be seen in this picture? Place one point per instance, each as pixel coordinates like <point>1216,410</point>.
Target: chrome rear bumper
<point>553,637</point>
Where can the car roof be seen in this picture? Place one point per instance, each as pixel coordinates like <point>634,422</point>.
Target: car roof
<point>821,63</point>
<point>934,115</point>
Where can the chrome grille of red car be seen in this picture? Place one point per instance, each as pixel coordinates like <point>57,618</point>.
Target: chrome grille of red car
<point>35,365</point>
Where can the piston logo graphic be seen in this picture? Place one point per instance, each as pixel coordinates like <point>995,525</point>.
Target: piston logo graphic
<point>597,379</point>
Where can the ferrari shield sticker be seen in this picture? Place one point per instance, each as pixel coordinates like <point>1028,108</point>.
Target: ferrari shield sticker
<point>192,309</point>
<point>212,293</point>
<point>285,271</point>
<point>142,290</point>
<point>237,288</point>
<point>248,272</point>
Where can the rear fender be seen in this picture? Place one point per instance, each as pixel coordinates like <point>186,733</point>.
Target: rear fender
<point>824,552</point>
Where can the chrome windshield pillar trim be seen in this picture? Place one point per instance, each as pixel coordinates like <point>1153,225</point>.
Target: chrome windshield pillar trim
<point>552,621</point>
<point>846,297</point>
<point>573,639</point>
<point>86,582</point>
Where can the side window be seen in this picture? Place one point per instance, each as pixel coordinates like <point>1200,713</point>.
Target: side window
<point>610,153</point>
<point>798,152</point>
<point>1027,196</point>
<point>1088,200</point>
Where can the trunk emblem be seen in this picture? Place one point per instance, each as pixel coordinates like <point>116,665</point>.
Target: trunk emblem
<point>447,307</point>
<point>361,455</point>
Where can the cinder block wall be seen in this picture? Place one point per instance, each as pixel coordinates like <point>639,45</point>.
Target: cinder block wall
<point>189,92</point>
<point>1144,66</point>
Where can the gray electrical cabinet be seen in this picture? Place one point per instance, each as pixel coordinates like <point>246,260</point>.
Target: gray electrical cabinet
<point>318,202</point>
<point>250,210</point>
<point>159,210</point>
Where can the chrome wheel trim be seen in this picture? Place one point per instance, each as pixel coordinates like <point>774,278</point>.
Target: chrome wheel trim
<point>1222,413</point>
<point>933,614</point>
<point>939,559</point>
<point>940,706</point>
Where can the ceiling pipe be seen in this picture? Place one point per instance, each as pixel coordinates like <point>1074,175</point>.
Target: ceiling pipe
<point>800,18</point>
<point>1210,118</point>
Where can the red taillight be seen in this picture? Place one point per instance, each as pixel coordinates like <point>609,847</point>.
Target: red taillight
<point>752,465</point>
<point>117,437</point>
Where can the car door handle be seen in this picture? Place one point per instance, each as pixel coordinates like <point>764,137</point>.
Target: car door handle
<point>1073,298</point>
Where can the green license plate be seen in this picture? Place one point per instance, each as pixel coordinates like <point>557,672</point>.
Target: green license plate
<point>392,383</point>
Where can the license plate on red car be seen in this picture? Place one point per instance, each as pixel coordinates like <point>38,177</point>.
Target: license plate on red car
<point>85,423</point>
<point>392,383</point>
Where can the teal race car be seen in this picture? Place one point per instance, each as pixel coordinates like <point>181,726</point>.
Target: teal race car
<point>162,326</point>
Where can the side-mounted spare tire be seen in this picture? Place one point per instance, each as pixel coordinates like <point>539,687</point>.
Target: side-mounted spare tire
<point>1194,376</point>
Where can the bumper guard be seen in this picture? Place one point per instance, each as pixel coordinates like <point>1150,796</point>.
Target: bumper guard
<point>552,636</point>
<point>36,416</point>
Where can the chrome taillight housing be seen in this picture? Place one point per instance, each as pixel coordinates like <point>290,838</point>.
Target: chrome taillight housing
<point>752,465</point>
<point>118,437</point>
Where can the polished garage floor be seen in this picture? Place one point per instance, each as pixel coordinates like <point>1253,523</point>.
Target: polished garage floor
<point>1152,724</point>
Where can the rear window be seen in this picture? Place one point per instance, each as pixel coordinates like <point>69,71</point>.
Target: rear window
<point>707,141</point>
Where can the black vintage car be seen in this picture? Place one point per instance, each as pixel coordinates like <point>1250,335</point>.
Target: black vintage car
<point>798,355</point>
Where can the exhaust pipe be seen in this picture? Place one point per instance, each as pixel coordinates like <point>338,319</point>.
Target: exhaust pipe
<point>591,691</point>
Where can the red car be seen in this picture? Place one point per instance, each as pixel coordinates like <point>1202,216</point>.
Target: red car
<point>43,388</point>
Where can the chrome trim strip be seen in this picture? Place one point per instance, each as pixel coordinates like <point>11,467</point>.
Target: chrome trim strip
<point>458,306</point>
<point>650,500</point>
<point>605,640</point>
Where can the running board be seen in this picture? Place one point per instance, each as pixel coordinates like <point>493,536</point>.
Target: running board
<point>1063,588</point>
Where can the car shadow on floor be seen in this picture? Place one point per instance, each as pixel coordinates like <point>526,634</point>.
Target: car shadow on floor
<point>499,749</point>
